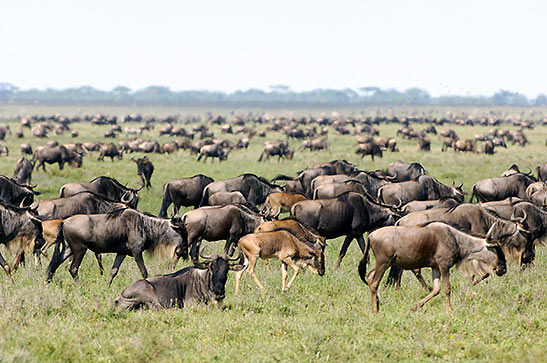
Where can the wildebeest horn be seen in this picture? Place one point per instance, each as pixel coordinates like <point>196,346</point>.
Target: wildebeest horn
<point>126,198</point>
<point>461,186</point>
<point>139,188</point>
<point>235,258</point>
<point>33,217</point>
<point>400,204</point>
<point>490,231</point>
<point>206,257</point>
<point>521,220</point>
<point>389,177</point>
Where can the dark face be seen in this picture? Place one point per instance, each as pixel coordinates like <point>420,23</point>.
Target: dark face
<point>219,270</point>
<point>528,255</point>
<point>501,268</point>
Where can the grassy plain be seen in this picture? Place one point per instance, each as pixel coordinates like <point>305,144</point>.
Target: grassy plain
<point>321,318</point>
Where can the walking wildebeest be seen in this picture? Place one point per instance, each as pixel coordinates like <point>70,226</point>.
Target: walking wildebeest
<point>105,187</point>
<point>110,150</point>
<point>126,232</point>
<point>145,168</point>
<point>11,192</point>
<point>276,147</point>
<point>194,284</point>
<point>255,189</point>
<point>184,192</point>
<point>55,154</point>
<point>280,202</point>
<point>22,172</point>
<point>216,150</point>
<point>436,245</point>
<point>369,148</point>
<point>287,248</point>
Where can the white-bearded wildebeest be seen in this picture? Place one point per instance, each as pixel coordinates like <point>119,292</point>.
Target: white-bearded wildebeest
<point>501,188</point>
<point>126,232</point>
<point>195,284</point>
<point>105,187</point>
<point>349,214</point>
<point>280,202</point>
<point>276,148</point>
<point>215,223</point>
<point>22,171</point>
<point>184,192</point>
<point>436,245</point>
<point>287,248</point>
<point>255,189</point>
<point>370,180</point>
<point>145,168</point>
<point>332,190</point>
<point>216,150</point>
<point>14,193</point>
<point>424,188</point>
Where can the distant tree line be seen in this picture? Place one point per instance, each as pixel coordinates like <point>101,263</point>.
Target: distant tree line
<point>277,94</point>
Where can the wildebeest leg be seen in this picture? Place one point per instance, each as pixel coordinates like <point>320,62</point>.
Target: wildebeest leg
<point>251,270</point>
<point>436,275</point>
<point>100,262</point>
<point>361,242</point>
<point>194,250</point>
<point>418,274</point>
<point>343,250</point>
<point>116,267</point>
<point>6,268</point>
<point>77,258</point>
<point>479,280</point>
<point>19,259</point>
<point>445,277</point>
<point>140,263</point>
<point>239,274</point>
<point>296,269</point>
<point>374,278</point>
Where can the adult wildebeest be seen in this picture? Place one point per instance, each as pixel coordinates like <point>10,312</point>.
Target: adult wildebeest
<point>514,169</point>
<point>436,245</point>
<point>287,248</point>
<point>332,190</point>
<point>399,171</point>
<point>276,147</point>
<point>424,144</point>
<point>223,198</point>
<point>369,148</point>
<point>22,172</point>
<point>318,143</point>
<point>280,202</point>
<point>105,187</point>
<point>214,223</point>
<point>255,189</point>
<point>26,149</point>
<point>145,168</point>
<point>349,214</point>
<point>488,147</point>
<point>369,180</point>
<point>465,145</point>
<point>110,150</point>
<point>501,188</point>
<point>22,224</point>
<point>126,232</point>
<point>56,154</point>
<point>424,188</point>
<point>184,192</point>
<point>14,193</point>
<point>195,284</point>
<point>542,172</point>
<point>216,150</point>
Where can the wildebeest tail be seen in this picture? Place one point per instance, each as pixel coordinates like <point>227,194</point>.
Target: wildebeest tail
<point>363,264</point>
<point>473,194</point>
<point>57,258</point>
<point>62,192</point>
<point>204,197</point>
<point>166,202</point>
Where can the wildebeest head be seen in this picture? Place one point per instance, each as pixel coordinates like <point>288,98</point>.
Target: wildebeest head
<point>218,267</point>
<point>501,267</point>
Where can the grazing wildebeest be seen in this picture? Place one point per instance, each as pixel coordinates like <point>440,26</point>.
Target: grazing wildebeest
<point>56,154</point>
<point>26,149</point>
<point>184,192</point>
<point>214,223</point>
<point>145,168</point>
<point>105,187</point>
<point>222,198</point>
<point>424,188</point>
<point>319,143</point>
<point>436,245</point>
<point>14,193</point>
<point>369,148</point>
<point>19,223</point>
<point>216,150</point>
<point>488,147</point>
<point>22,172</point>
<point>349,214</point>
<point>276,147</point>
<point>501,188</point>
<point>542,172</point>
<point>187,287</point>
<point>424,144</point>
<point>255,189</point>
<point>287,248</point>
<point>465,145</point>
<point>126,232</point>
<point>400,171</point>
<point>110,150</point>
<point>280,202</point>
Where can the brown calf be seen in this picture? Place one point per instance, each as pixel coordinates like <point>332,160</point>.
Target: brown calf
<point>280,202</point>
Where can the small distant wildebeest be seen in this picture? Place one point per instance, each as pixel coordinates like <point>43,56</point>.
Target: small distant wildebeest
<point>55,154</point>
<point>145,168</point>
<point>280,202</point>
<point>110,150</point>
<point>369,148</point>
<point>276,147</point>
<point>436,245</point>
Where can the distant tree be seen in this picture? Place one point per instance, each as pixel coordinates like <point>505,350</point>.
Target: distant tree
<point>541,100</point>
<point>279,88</point>
<point>504,97</point>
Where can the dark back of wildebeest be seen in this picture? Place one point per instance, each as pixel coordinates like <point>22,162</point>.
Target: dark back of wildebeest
<point>425,188</point>
<point>255,189</point>
<point>501,187</point>
<point>80,203</point>
<point>22,172</point>
<point>105,187</point>
<point>400,171</point>
<point>14,193</point>
<point>184,192</point>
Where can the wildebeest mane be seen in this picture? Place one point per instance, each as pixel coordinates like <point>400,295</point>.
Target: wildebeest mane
<point>117,183</point>
<point>455,226</point>
<point>115,213</point>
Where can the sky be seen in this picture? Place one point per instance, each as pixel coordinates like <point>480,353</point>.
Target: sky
<point>464,47</point>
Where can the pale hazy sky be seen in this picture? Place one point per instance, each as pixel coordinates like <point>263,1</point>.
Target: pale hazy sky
<point>445,47</point>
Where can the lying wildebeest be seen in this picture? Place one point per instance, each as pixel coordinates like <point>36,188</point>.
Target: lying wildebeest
<point>195,284</point>
<point>280,202</point>
<point>56,154</point>
<point>287,248</point>
<point>418,205</point>
<point>369,148</point>
<point>184,192</point>
<point>223,198</point>
<point>349,214</point>
<point>145,168</point>
<point>110,150</point>
<point>212,151</point>
<point>126,232</point>
<point>14,193</point>
<point>79,203</point>
<point>400,171</point>
<point>22,172</point>
<point>214,223</point>
<point>424,188</point>
<point>19,224</point>
<point>105,187</point>
<point>276,147</point>
<point>501,187</point>
<point>255,189</point>
<point>436,245</point>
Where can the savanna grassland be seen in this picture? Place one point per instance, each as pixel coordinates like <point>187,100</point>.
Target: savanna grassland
<point>320,318</point>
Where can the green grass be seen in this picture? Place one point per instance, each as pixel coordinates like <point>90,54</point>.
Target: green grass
<point>321,318</point>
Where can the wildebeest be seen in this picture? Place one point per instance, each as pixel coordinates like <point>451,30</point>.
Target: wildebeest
<point>436,245</point>
<point>26,149</point>
<point>255,189</point>
<point>318,143</point>
<point>296,228</point>
<point>424,144</point>
<point>222,198</point>
<point>4,150</point>
<point>194,284</point>
<point>55,154</point>
<point>369,148</point>
<point>145,168</point>
<point>216,150</point>
<point>276,147</point>
<point>501,187</point>
<point>214,223</point>
<point>110,150</point>
<point>349,214</point>
<point>424,188</point>
<point>184,192</point>
<point>513,169</point>
<point>22,172</point>
<point>105,187</point>
<point>332,190</point>
<point>287,248</point>
<point>464,145</point>
<point>400,171</point>
<point>126,232</point>
<point>488,147</point>
<point>542,172</point>
<point>14,193</point>
<point>280,202</point>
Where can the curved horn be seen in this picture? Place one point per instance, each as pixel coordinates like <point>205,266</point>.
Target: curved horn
<point>236,258</point>
<point>33,217</point>
<point>139,188</point>
<point>126,198</point>
<point>389,177</point>
<point>516,219</point>
<point>529,171</point>
<point>490,231</point>
<point>206,257</point>
<point>400,204</point>
<point>461,186</point>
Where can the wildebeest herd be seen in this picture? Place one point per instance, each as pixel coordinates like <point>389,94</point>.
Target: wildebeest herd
<point>413,220</point>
